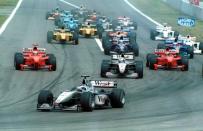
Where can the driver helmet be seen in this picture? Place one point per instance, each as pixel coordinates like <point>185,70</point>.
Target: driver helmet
<point>35,52</point>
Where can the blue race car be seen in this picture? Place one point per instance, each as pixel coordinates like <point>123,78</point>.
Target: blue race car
<point>179,45</point>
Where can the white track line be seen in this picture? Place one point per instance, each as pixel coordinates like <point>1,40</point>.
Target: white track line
<point>5,24</point>
<point>141,13</point>
<point>73,5</point>
<point>99,43</point>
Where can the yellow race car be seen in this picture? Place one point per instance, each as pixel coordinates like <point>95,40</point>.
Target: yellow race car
<point>88,30</point>
<point>62,36</point>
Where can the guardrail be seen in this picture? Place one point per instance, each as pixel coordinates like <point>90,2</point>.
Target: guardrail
<point>187,8</point>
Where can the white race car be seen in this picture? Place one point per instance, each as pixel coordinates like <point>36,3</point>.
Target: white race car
<point>87,96</point>
<point>163,33</point>
<point>191,41</point>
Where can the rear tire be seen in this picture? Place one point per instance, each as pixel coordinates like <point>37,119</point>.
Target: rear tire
<point>201,47</point>
<point>47,15</point>
<point>139,69</point>
<point>51,61</point>
<point>153,34</point>
<point>18,60</point>
<point>117,98</point>
<point>87,101</point>
<point>135,49</point>
<point>190,51</point>
<point>76,38</point>
<point>50,36</point>
<point>185,62</point>
<point>104,68</point>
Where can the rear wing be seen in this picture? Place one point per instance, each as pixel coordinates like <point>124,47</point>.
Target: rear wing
<point>103,84</point>
<point>163,51</point>
<point>31,49</point>
<point>127,56</point>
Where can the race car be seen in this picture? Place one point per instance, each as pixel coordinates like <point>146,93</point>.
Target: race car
<point>90,94</point>
<point>179,46</point>
<point>81,12</point>
<point>104,25</point>
<point>53,14</point>
<point>63,36</point>
<point>124,21</point>
<point>191,41</point>
<point>122,65</point>
<point>34,58</point>
<point>88,30</point>
<point>120,42</point>
<point>69,23</point>
<point>167,59</point>
<point>163,32</point>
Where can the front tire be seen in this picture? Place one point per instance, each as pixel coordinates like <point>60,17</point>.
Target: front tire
<point>87,101</point>
<point>18,60</point>
<point>117,98</point>
<point>45,97</point>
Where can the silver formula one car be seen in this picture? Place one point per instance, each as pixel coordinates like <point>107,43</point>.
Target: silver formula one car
<point>89,95</point>
<point>122,65</point>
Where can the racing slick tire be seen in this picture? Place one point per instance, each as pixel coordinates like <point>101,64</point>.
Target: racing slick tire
<point>190,51</point>
<point>115,24</point>
<point>148,58</point>
<point>161,46</point>
<point>18,60</point>
<point>139,68</point>
<point>104,67</point>
<point>135,49</point>
<point>135,25</point>
<point>133,36</point>
<point>45,96</point>
<point>76,38</point>
<point>185,62</point>
<point>104,38</point>
<point>106,45</point>
<point>56,21</point>
<point>202,70</point>
<point>176,34</point>
<point>117,98</point>
<point>100,31</point>
<point>50,36</point>
<point>153,34</point>
<point>152,61</point>
<point>47,15</point>
<point>87,101</point>
<point>201,47</point>
<point>51,61</point>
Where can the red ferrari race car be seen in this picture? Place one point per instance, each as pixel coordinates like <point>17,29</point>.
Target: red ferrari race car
<point>34,58</point>
<point>167,59</point>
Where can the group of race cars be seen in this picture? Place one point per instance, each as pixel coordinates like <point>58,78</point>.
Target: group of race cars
<point>118,37</point>
<point>175,50</point>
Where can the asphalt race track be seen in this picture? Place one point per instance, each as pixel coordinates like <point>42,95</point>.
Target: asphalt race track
<point>162,100</point>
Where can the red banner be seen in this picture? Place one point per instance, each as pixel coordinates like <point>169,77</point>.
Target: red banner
<point>195,2</point>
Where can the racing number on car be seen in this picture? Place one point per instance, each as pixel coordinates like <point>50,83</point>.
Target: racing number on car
<point>101,98</point>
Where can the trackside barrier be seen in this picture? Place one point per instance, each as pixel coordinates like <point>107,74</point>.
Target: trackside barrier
<point>186,7</point>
